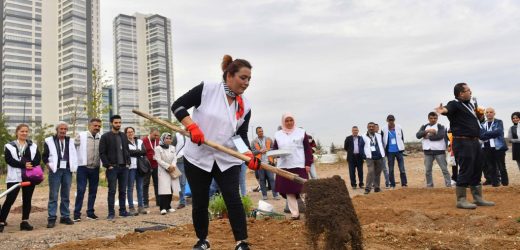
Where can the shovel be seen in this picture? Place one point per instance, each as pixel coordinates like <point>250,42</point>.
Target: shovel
<point>279,172</point>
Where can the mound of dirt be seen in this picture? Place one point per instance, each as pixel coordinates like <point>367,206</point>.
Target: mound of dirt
<point>331,216</point>
<point>34,209</point>
<point>412,218</point>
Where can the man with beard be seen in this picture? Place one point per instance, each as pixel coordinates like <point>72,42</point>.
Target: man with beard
<point>113,151</point>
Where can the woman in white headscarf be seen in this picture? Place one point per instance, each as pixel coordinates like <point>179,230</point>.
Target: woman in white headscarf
<point>167,161</point>
<point>298,162</point>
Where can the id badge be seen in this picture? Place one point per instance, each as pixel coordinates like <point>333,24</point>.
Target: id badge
<point>239,144</point>
<point>392,141</point>
<point>63,164</point>
<point>373,148</point>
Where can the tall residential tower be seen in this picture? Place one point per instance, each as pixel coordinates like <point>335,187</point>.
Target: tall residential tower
<point>143,66</point>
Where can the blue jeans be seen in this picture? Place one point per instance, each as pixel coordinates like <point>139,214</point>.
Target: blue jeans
<point>134,177</point>
<point>392,156</point>
<point>263,175</point>
<point>59,182</point>
<point>117,176</point>
<point>313,173</point>
<point>92,176</point>
<point>182,180</point>
<point>243,171</point>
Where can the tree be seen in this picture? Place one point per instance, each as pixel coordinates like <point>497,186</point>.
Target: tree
<point>91,106</point>
<point>147,125</point>
<point>40,132</point>
<point>95,107</point>
<point>5,137</point>
<point>332,148</point>
<point>319,148</point>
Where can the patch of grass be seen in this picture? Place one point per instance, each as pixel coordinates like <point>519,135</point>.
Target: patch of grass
<point>518,219</point>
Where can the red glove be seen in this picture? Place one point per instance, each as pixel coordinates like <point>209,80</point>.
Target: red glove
<point>254,163</point>
<point>196,134</point>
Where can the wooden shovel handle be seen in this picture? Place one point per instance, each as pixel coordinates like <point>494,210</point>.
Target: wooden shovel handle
<point>286,174</point>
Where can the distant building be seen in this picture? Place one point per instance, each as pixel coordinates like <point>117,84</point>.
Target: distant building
<point>108,101</point>
<point>48,50</point>
<point>143,67</point>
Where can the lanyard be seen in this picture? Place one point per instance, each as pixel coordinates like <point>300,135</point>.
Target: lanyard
<point>150,142</point>
<point>62,147</point>
<point>21,149</point>
<point>489,128</point>
<point>468,107</point>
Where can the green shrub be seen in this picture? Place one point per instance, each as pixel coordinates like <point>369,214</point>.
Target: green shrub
<point>217,206</point>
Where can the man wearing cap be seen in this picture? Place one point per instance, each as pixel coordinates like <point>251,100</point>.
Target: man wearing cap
<point>393,141</point>
<point>465,126</point>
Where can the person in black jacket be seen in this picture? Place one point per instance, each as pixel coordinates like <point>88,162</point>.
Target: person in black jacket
<point>113,152</point>
<point>433,137</point>
<point>354,146</point>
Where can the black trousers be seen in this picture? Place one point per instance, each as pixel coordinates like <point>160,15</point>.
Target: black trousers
<point>228,181</point>
<point>165,201</point>
<point>355,163</point>
<point>146,186</point>
<point>470,158</point>
<point>27,193</point>
<point>495,169</point>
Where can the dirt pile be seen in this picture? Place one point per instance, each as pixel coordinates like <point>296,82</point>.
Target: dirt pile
<point>412,218</point>
<point>331,215</point>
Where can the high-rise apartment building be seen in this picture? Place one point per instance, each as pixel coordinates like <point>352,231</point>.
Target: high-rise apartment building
<point>49,49</point>
<point>143,66</point>
<point>21,61</point>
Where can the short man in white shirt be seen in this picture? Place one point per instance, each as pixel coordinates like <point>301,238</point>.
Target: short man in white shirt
<point>433,136</point>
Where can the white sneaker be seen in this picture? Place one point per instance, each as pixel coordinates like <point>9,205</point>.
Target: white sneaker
<point>453,183</point>
<point>163,212</point>
<point>171,210</point>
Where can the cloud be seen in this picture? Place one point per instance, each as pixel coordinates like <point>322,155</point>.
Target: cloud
<point>337,63</point>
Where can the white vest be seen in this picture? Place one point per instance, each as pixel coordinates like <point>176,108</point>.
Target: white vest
<point>293,142</point>
<point>14,175</point>
<point>428,144</point>
<point>82,148</point>
<point>133,160</point>
<point>217,120</point>
<point>398,136</point>
<point>367,149</point>
<point>53,155</point>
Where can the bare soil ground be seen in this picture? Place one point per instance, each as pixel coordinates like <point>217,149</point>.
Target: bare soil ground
<point>404,218</point>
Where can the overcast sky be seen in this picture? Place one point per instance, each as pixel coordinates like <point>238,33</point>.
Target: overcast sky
<point>339,63</point>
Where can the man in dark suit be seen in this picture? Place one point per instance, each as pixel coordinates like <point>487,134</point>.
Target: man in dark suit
<point>354,146</point>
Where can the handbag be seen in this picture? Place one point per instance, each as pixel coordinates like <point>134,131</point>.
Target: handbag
<point>143,166</point>
<point>175,173</point>
<point>34,175</point>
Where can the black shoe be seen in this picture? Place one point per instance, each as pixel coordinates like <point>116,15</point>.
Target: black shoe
<point>201,245</point>
<point>92,217</point>
<point>367,191</point>
<point>287,211</point>
<point>2,228</point>
<point>124,214</point>
<point>243,245</point>
<point>486,183</point>
<point>361,185</point>
<point>77,218</point>
<point>25,226</point>
<point>496,185</point>
<point>377,190</point>
<point>51,224</point>
<point>181,206</point>
<point>404,185</point>
<point>66,221</point>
